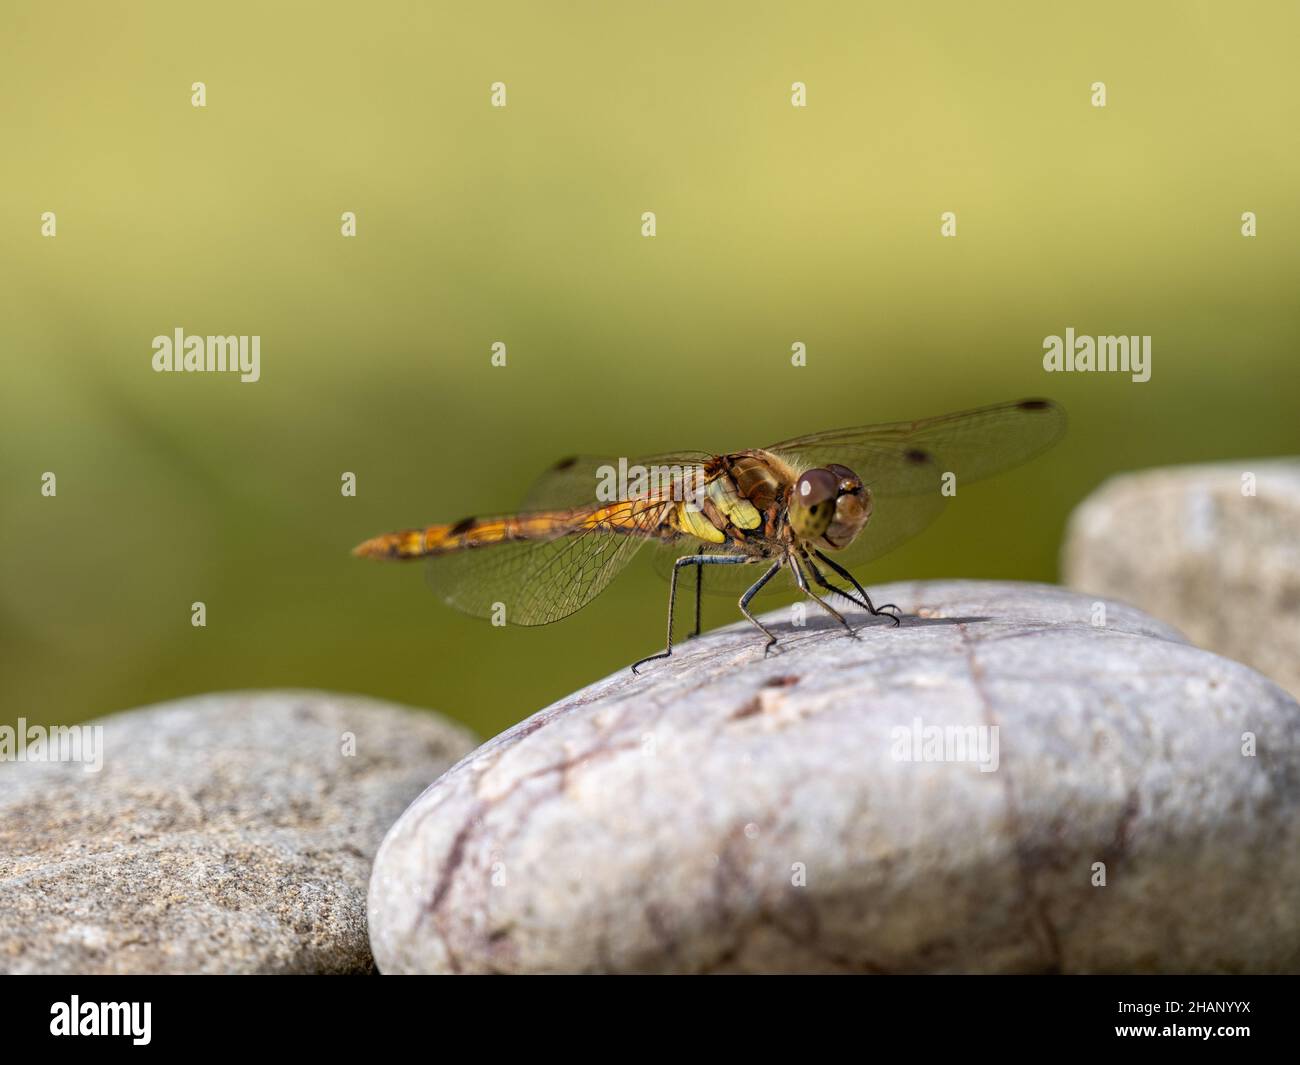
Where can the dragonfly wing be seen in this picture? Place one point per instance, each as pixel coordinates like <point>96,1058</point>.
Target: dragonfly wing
<point>905,463</point>
<point>581,479</point>
<point>729,581</point>
<point>536,582</point>
<point>972,444</point>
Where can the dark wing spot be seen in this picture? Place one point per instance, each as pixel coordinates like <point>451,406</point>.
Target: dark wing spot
<point>1034,404</point>
<point>567,463</point>
<point>781,682</point>
<point>916,456</point>
<point>463,526</point>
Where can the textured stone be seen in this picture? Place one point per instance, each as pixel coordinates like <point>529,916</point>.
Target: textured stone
<point>730,812</point>
<point>1188,546</point>
<point>224,834</point>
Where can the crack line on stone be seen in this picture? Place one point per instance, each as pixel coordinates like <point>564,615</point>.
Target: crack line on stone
<point>460,843</point>
<point>1013,820</point>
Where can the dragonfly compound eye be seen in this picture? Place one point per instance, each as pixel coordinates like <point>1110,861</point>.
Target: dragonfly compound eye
<point>849,481</point>
<point>812,504</point>
<point>816,486</point>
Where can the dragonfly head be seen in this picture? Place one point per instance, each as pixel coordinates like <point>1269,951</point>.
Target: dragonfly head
<point>829,505</point>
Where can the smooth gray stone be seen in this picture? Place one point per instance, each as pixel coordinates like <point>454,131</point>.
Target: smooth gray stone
<point>224,834</point>
<point>1186,544</point>
<point>730,812</point>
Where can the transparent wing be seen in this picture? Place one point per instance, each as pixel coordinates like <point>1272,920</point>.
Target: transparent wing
<point>900,457</point>
<point>728,581</point>
<point>905,463</point>
<point>573,481</point>
<point>536,582</point>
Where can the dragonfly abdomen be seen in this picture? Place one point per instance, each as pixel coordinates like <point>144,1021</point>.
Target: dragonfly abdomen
<point>434,540</point>
<point>470,532</point>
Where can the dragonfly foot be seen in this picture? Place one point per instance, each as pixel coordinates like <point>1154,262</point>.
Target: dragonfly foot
<point>636,666</point>
<point>895,617</point>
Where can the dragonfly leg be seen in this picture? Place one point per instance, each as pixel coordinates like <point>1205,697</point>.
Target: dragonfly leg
<point>865,602</point>
<point>797,565</point>
<point>866,599</point>
<point>699,561</point>
<point>699,592</point>
<point>752,591</point>
<point>820,578</point>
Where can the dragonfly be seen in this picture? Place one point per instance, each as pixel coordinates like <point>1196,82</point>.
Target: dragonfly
<point>812,506</point>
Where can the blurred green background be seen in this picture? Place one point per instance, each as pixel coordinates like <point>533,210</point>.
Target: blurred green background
<point>477,224</point>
